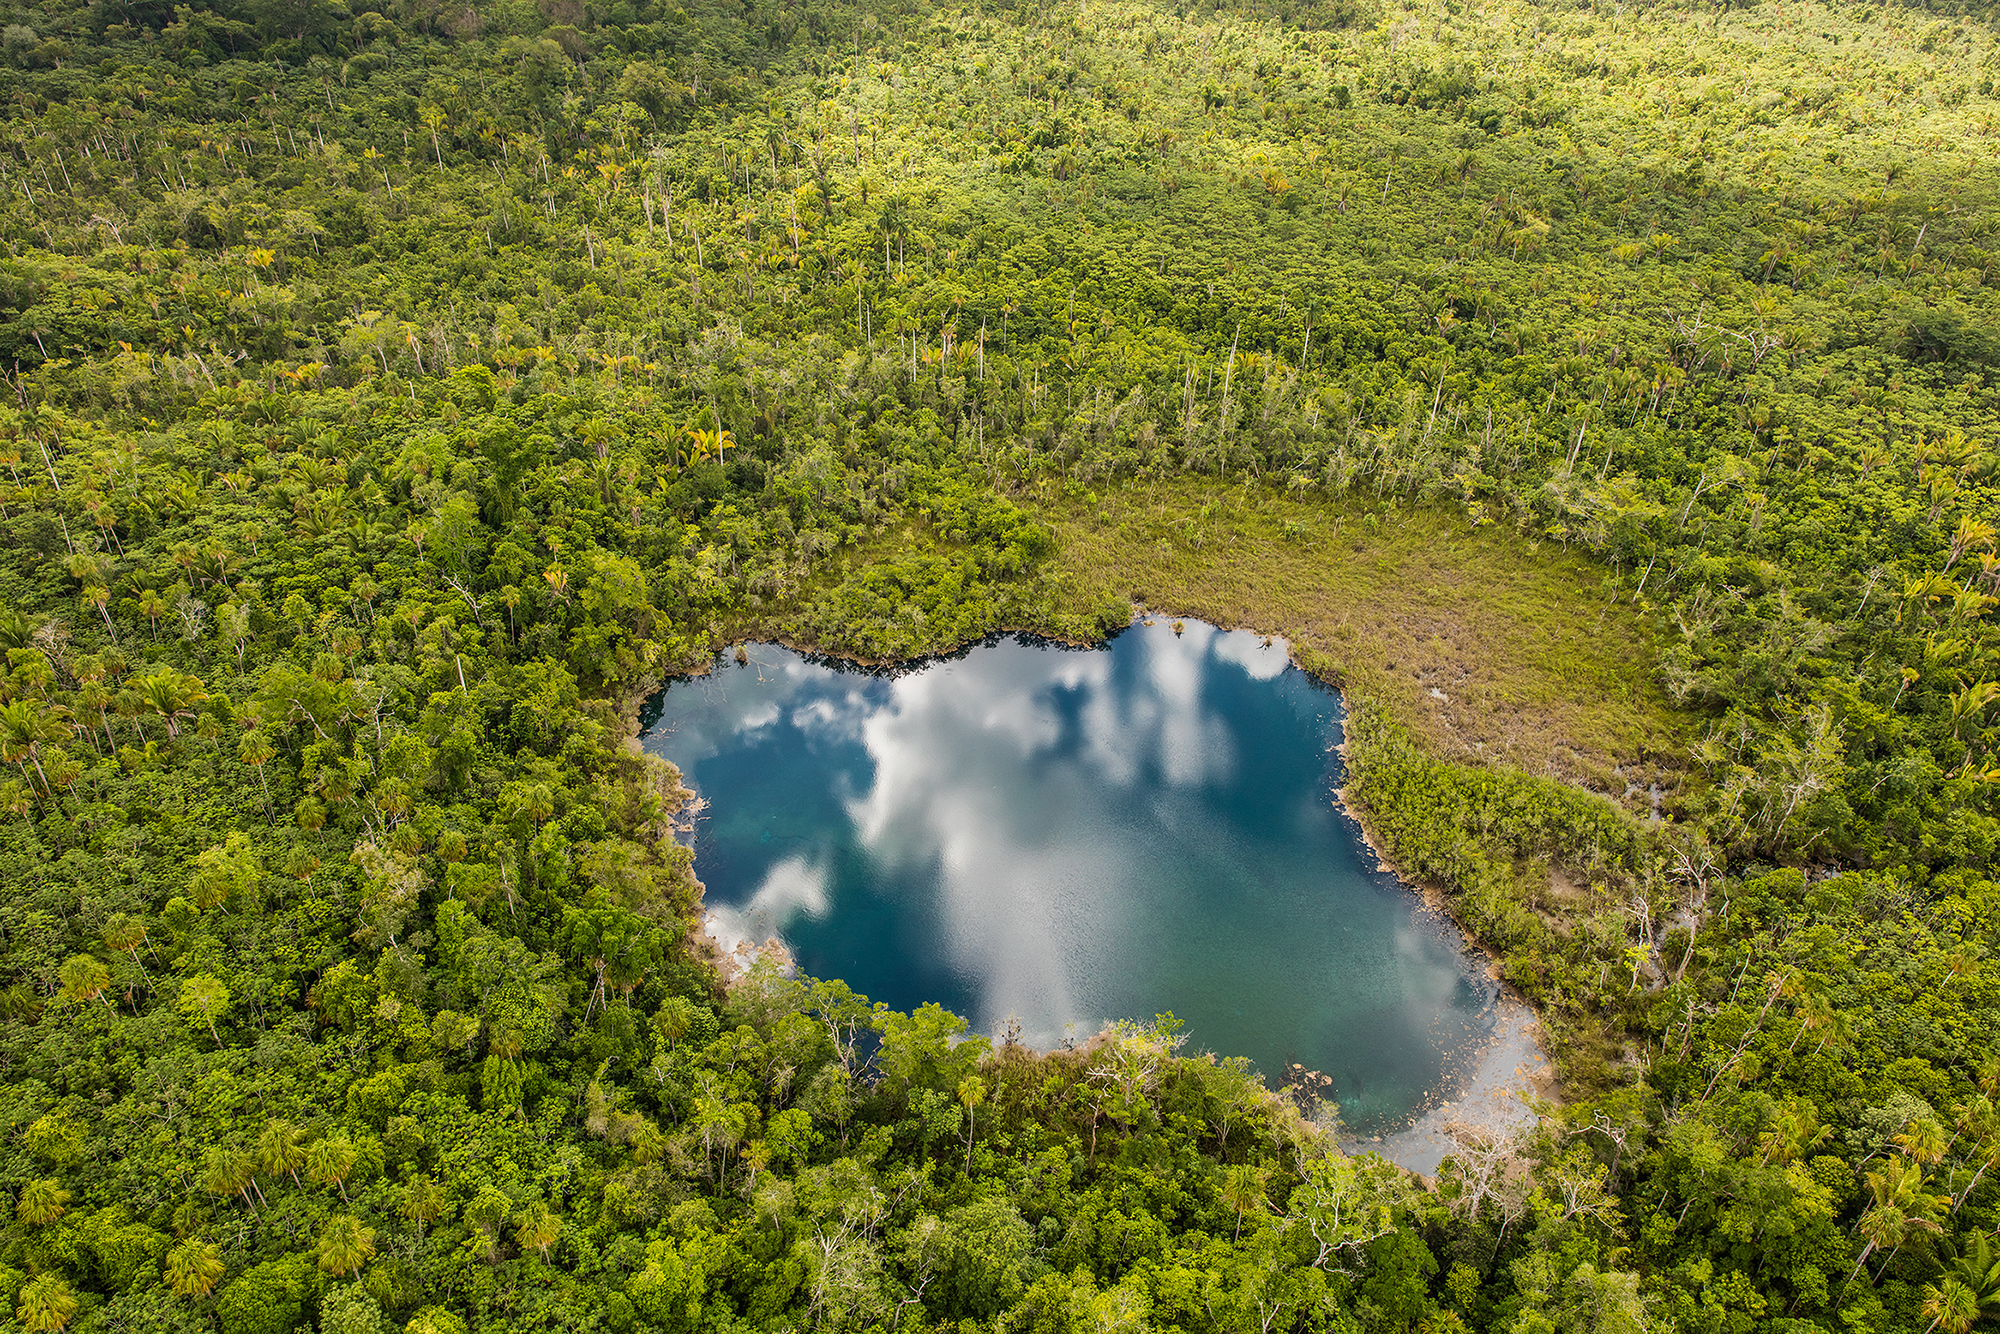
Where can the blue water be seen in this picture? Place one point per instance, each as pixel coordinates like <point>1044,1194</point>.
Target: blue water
<point>1066,837</point>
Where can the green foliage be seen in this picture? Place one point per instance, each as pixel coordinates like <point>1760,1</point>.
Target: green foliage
<point>397,395</point>
<point>267,1298</point>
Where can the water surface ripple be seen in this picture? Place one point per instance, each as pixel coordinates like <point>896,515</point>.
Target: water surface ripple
<point>1068,836</point>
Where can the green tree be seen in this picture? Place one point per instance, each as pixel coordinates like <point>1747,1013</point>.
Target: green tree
<point>202,1000</point>
<point>971,1093</point>
<point>929,1049</point>
<point>1951,1306</point>
<point>46,1304</point>
<point>1897,1212</point>
<point>345,1245</point>
<point>42,1202</point>
<point>193,1268</point>
<point>267,1298</point>
<point>229,871</point>
<point>1604,1302</point>
<point>84,978</point>
<point>282,1149</point>
<point>26,728</point>
<point>1243,1191</point>
<point>330,1161</point>
<point>537,1229</point>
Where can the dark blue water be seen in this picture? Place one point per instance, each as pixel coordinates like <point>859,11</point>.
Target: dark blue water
<point>1067,837</point>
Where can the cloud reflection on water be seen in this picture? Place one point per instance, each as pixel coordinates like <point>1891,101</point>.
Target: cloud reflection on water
<point>1037,896</point>
<point>794,887</point>
<point>1068,837</point>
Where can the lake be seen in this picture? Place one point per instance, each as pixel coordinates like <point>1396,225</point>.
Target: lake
<point>1060,837</point>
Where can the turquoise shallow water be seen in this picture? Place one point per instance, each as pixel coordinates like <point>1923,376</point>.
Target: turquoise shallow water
<point>1068,836</point>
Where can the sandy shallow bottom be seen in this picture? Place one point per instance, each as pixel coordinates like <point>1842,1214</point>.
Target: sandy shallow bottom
<point>1510,1063</point>
<point>735,948</point>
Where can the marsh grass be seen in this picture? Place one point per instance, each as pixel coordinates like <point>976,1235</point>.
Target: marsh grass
<point>1485,646</point>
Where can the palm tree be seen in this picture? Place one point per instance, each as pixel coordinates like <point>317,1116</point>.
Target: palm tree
<point>194,1268</point>
<point>1989,571</point>
<point>1897,1214</point>
<point>1887,1225</point>
<point>423,1201</point>
<point>203,998</point>
<point>172,696</point>
<point>1792,1134</point>
<point>300,863</point>
<point>609,474</point>
<point>705,444</point>
<point>1923,1139</point>
<point>105,518</point>
<point>487,1213</point>
<point>538,1229</point>
<point>94,703</point>
<point>598,434</point>
<point>153,606</point>
<point>1979,1126</point>
<point>1971,533</point>
<point>510,598</point>
<point>1922,590</point>
<point>434,120</point>
<point>42,1202</point>
<point>127,933</point>
<point>254,750</point>
<point>84,978</point>
<point>330,1161</point>
<point>228,1172</point>
<point>697,447</point>
<point>25,726</point>
<point>1835,1030</point>
<point>1970,702</point>
<point>971,1092</point>
<point>345,1245</point>
<point>282,1149</point>
<point>1242,1190</point>
<point>1977,1272</point>
<point>98,596</point>
<point>46,1304</point>
<point>537,802</point>
<point>16,630</point>
<point>1951,1305</point>
<point>1814,1012</point>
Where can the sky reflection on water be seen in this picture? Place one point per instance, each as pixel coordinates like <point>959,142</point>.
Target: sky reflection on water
<point>1073,836</point>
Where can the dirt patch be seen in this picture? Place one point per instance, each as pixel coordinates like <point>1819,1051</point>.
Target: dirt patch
<point>1565,892</point>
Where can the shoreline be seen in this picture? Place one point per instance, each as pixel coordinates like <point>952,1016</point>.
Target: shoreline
<point>1510,1068</point>
<point>1512,1064</point>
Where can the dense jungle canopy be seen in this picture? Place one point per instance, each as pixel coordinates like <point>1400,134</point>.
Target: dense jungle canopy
<point>397,392</point>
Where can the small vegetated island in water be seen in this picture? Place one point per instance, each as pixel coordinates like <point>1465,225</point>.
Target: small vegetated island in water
<point>1601,398</point>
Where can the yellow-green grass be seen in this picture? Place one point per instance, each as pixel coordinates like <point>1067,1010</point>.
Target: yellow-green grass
<point>1484,644</point>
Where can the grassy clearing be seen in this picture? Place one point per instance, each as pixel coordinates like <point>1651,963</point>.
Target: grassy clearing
<point>1484,645</point>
